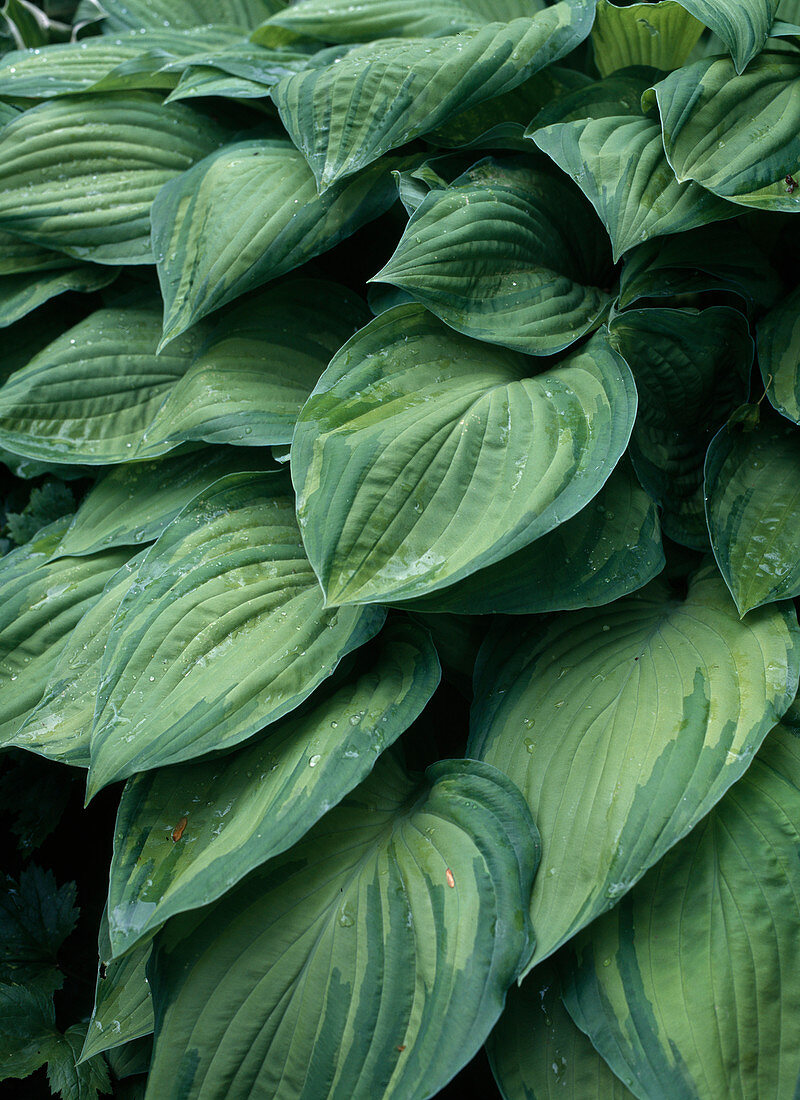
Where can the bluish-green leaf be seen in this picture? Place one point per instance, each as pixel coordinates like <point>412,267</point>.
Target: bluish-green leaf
<point>138,15</point>
<point>241,810</point>
<point>743,25</point>
<point>70,194</point>
<point>624,726</point>
<point>508,254</point>
<point>21,294</point>
<point>689,986</point>
<point>779,356</point>
<point>244,216</point>
<point>659,35</point>
<point>752,490</point>
<point>370,960</point>
<point>691,369</point>
<point>222,633</point>
<point>343,115</point>
<point>423,456</point>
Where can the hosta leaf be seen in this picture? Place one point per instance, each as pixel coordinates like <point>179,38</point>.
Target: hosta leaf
<point>69,68</point>
<point>538,1053</point>
<point>508,254</point>
<point>198,81</point>
<point>623,727</point>
<point>123,1005</point>
<point>423,455</point>
<point>344,115</point>
<point>610,548</point>
<point>691,371</point>
<point>133,503</point>
<point>713,257</point>
<point>342,21</point>
<point>659,35</point>
<point>246,215</point>
<point>753,507</point>
<point>20,257</point>
<point>21,294</point>
<point>335,971</point>
<point>619,164</point>
<point>240,811</point>
<point>71,194</point>
<point>226,587</point>
<point>89,395</point>
<point>253,375</point>
<point>743,25</point>
<point>616,95</point>
<point>755,123</point>
<point>136,15</point>
<point>689,985</point>
<point>39,606</point>
<point>59,727</point>
<point>779,356</point>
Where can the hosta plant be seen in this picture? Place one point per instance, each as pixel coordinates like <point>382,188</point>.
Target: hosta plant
<point>400,412</point>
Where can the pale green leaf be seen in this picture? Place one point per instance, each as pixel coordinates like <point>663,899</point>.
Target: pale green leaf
<point>610,548</point>
<point>90,394</point>
<point>246,215</point>
<point>659,35</point>
<point>743,25</point>
<point>753,506</point>
<point>230,815</point>
<point>738,136</point>
<point>344,114</point>
<point>70,194</point>
<point>623,727</point>
<point>538,1053</point>
<point>21,294</point>
<point>20,257</point>
<point>779,356</point>
<point>370,960</point>
<point>689,986</point>
<point>59,727</point>
<point>343,21</point>
<point>137,15</point>
<point>691,369</point>
<point>222,633</point>
<point>253,374</point>
<point>423,456</point>
<point>508,254</point>
<point>123,1005</point>
<point>40,603</point>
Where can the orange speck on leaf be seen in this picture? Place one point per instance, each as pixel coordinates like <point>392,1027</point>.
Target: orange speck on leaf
<point>401,1049</point>
<point>177,832</point>
<point>449,876</point>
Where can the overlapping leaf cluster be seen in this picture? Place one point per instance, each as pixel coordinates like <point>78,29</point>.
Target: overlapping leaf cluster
<point>552,450</point>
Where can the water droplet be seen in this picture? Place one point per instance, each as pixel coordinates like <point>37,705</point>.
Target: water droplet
<point>312,763</point>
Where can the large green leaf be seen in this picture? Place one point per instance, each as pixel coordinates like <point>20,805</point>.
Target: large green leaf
<point>738,136</point>
<point>123,1005</point>
<point>247,808</point>
<point>20,257</point>
<point>743,25</point>
<point>618,161</point>
<point>59,727</point>
<point>753,506</point>
<point>342,21</point>
<point>72,194</point>
<point>344,113</point>
<point>137,15</point>
<point>69,68</point>
<point>610,548</point>
<point>538,1053</point>
<point>659,35</point>
<point>252,376</point>
<point>623,727</point>
<point>246,215</point>
<point>713,257</point>
<point>21,294</point>
<point>40,603</point>
<point>779,356</point>
<point>508,254</point>
<point>423,456</point>
<point>89,395</point>
<point>370,960</point>
<point>222,633</point>
<point>133,503</point>
<point>691,369</point>
<point>690,985</point>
